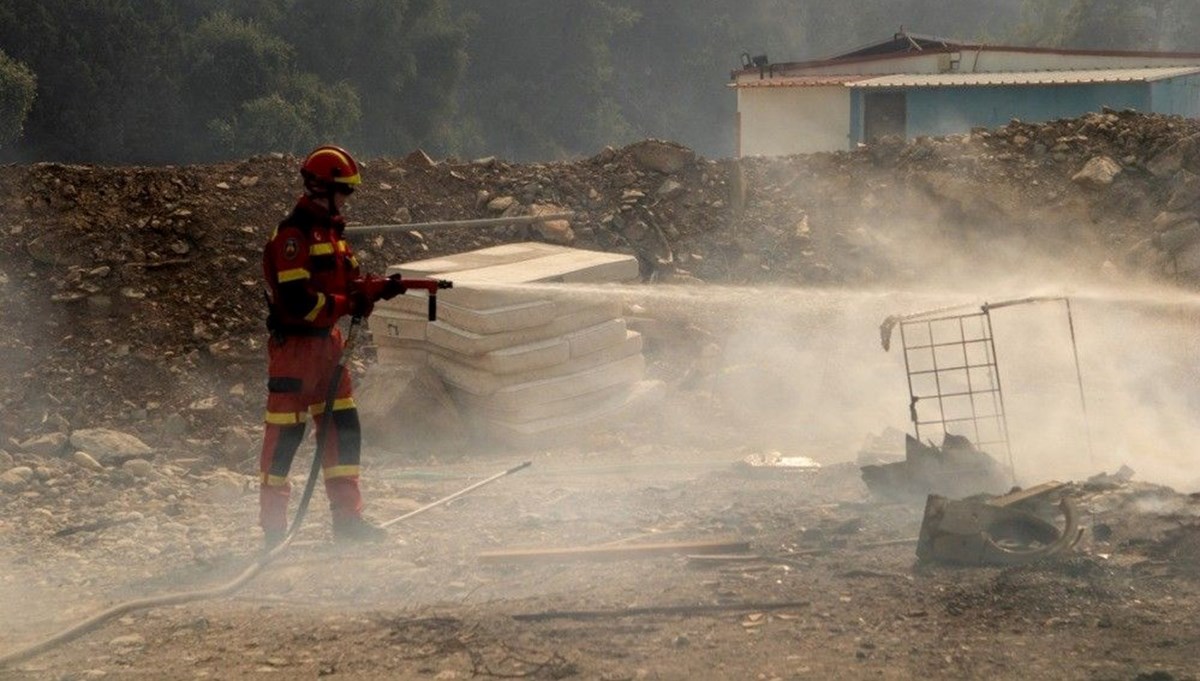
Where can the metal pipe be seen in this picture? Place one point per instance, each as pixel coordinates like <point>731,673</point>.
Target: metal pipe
<point>447,224</point>
<point>1087,422</point>
<point>457,494</point>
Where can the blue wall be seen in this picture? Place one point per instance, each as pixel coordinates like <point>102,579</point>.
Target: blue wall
<point>1176,96</point>
<point>937,111</point>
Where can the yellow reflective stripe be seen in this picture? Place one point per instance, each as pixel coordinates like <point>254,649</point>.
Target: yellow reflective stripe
<point>293,275</point>
<point>312,314</point>
<point>353,261</point>
<point>341,471</point>
<point>320,249</point>
<point>342,246</point>
<point>284,418</point>
<point>338,405</point>
<point>274,480</point>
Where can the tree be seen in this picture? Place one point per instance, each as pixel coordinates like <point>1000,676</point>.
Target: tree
<point>18,86</point>
<point>404,59</point>
<point>541,80</point>
<point>105,73</point>
<point>300,114</point>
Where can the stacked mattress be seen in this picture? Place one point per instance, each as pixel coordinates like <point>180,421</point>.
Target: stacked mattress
<point>524,362</point>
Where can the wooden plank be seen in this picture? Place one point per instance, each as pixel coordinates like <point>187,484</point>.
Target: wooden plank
<point>609,552</point>
<point>660,610</point>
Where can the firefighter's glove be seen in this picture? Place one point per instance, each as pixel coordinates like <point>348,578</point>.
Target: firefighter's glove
<point>392,286</point>
<point>361,303</point>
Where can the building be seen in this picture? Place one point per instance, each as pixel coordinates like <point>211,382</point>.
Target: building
<point>914,85</point>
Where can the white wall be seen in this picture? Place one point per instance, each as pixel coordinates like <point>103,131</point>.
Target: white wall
<point>776,121</point>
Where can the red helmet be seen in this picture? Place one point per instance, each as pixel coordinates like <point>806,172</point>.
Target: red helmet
<point>328,163</point>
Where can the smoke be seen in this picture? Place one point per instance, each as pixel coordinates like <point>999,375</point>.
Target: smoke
<point>802,370</point>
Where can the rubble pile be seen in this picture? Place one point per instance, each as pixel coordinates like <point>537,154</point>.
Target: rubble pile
<point>132,298</point>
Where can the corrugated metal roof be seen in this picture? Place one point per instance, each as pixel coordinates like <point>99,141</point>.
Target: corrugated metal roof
<point>800,81</point>
<point>1073,77</point>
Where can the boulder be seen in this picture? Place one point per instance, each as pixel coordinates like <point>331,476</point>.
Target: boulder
<point>1098,172</point>
<point>553,231</point>
<point>1177,238</point>
<point>1185,191</point>
<point>108,446</point>
<point>1174,158</point>
<point>50,444</point>
<point>16,479</point>
<point>501,204</point>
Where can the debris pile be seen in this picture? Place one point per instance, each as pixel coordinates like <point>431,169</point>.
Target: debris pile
<point>132,295</point>
<point>956,469</point>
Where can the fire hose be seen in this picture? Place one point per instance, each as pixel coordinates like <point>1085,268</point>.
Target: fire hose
<point>121,609</point>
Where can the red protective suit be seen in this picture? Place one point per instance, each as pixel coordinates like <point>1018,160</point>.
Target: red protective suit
<point>310,274</point>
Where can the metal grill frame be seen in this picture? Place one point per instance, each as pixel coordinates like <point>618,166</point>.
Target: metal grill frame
<point>992,394</point>
<point>995,390</point>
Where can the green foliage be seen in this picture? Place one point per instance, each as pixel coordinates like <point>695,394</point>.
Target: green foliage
<point>196,80</point>
<point>17,89</point>
<point>244,63</point>
<point>538,67</point>
<point>405,60</point>
<point>293,119</point>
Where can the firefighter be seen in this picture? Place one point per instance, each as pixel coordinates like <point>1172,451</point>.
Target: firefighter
<point>313,280</point>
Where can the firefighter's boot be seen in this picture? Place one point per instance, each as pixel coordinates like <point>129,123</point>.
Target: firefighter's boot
<point>354,529</point>
<point>273,538</point>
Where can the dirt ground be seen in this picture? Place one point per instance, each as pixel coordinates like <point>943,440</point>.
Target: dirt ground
<point>814,605</point>
<point>131,300</point>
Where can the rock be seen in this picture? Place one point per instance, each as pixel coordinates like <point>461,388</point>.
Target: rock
<point>1098,172</point>
<point>86,460</point>
<point>670,189</point>
<point>1179,237</point>
<point>1185,191</point>
<point>225,486</point>
<point>606,155</point>
<point>553,231</point>
<point>402,216</point>
<point>664,157</point>
<point>109,445</point>
<point>50,444</point>
<point>1174,158</point>
<point>419,159</point>
<point>556,232</point>
<point>174,425</point>
<point>138,468</point>
<point>237,445</point>
<point>204,404</point>
<point>501,204</point>
<point>1166,220</point>
<point>128,641</point>
<point>16,479</point>
<point>6,461</point>
<point>1186,260</point>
